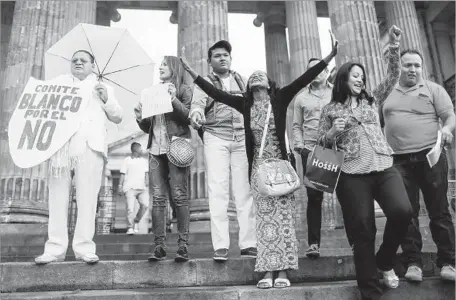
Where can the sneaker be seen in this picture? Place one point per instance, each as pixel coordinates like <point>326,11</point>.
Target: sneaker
<point>47,258</point>
<point>130,231</point>
<point>414,273</point>
<point>136,228</point>
<point>221,254</point>
<point>182,254</point>
<point>89,258</point>
<point>159,254</point>
<point>390,279</point>
<point>313,251</point>
<point>249,252</point>
<point>448,273</point>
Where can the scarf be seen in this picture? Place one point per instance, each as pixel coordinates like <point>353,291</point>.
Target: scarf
<point>69,156</point>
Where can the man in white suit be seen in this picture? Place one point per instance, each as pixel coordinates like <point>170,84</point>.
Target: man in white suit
<point>86,152</point>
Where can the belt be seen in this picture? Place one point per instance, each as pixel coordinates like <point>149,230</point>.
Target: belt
<point>412,157</point>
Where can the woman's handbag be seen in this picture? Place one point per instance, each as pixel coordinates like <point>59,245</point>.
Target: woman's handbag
<point>180,152</point>
<point>276,177</point>
<point>323,168</point>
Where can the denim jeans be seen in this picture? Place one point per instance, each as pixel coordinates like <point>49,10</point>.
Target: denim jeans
<point>433,182</point>
<point>314,202</point>
<point>160,170</point>
<point>356,194</point>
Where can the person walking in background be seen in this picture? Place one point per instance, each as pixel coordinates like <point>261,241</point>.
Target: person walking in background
<point>132,184</point>
<point>306,116</point>
<point>265,103</point>
<point>351,121</point>
<point>411,116</point>
<point>162,129</point>
<point>85,153</point>
<point>222,130</point>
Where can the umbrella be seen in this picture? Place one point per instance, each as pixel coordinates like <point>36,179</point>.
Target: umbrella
<point>119,62</point>
<point>119,59</point>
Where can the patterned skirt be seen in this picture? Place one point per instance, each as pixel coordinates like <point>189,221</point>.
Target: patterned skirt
<point>276,231</point>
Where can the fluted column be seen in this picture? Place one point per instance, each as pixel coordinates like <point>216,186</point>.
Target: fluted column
<point>36,26</point>
<point>6,10</point>
<point>277,61</point>
<point>403,14</point>
<point>200,25</point>
<point>355,25</point>
<point>303,35</point>
<point>304,40</point>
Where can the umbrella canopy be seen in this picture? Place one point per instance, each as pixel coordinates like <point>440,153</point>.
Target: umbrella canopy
<point>119,62</point>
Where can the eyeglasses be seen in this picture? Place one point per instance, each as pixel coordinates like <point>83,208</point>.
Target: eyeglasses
<point>82,60</point>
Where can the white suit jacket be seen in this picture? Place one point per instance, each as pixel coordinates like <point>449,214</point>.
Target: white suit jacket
<point>93,128</point>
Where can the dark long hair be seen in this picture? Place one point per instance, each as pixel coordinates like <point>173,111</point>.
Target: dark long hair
<point>341,90</point>
<point>273,88</point>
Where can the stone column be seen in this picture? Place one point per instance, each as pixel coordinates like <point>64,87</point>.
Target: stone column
<point>303,35</point>
<point>277,61</point>
<point>200,25</point>
<point>107,12</point>
<point>355,25</point>
<point>403,14</point>
<point>36,26</point>
<point>6,14</point>
<point>304,40</point>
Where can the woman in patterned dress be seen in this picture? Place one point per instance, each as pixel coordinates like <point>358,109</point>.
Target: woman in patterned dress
<point>276,237</point>
<point>367,173</point>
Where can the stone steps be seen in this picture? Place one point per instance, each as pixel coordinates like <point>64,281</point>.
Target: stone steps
<point>24,247</point>
<point>431,288</point>
<point>108,275</point>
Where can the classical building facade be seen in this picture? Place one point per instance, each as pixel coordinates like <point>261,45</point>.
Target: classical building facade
<point>29,28</point>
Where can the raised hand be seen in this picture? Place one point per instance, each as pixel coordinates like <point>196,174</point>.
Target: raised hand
<point>334,44</point>
<point>395,34</point>
<point>184,61</point>
<point>186,65</point>
<point>138,111</point>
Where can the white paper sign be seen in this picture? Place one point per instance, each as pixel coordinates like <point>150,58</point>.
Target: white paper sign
<point>47,115</point>
<point>156,101</point>
<point>434,155</point>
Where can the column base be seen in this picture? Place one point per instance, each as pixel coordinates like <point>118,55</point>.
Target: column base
<point>200,217</point>
<point>24,212</point>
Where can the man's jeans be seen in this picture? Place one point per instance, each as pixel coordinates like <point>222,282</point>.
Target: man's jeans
<point>223,157</point>
<point>314,202</point>
<point>160,169</point>
<point>143,198</point>
<point>433,183</point>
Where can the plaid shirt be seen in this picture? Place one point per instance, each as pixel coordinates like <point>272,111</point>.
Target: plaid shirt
<point>221,120</point>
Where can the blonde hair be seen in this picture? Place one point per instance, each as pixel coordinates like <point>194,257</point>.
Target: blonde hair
<point>177,71</point>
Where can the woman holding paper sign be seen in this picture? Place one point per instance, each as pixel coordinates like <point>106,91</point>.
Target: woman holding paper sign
<point>351,121</point>
<point>164,129</point>
<point>264,107</point>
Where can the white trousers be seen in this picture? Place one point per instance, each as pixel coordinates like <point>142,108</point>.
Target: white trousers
<point>88,177</point>
<point>133,195</point>
<point>221,157</point>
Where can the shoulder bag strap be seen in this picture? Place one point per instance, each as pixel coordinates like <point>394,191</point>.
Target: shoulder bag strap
<point>265,130</point>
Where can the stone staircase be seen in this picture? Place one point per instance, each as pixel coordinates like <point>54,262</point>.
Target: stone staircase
<point>328,278</point>
<point>124,273</point>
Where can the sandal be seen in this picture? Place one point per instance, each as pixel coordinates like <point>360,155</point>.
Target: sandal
<point>281,283</point>
<point>265,283</point>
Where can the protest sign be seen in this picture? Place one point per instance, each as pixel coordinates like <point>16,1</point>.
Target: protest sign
<point>47,115</point>
<point>156,101</point>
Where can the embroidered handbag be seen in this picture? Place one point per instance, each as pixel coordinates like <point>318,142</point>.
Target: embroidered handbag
<point>276,177</point>
<point>180,152</point>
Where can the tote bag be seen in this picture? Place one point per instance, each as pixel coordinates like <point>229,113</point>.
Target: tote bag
<point>323,168</point>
